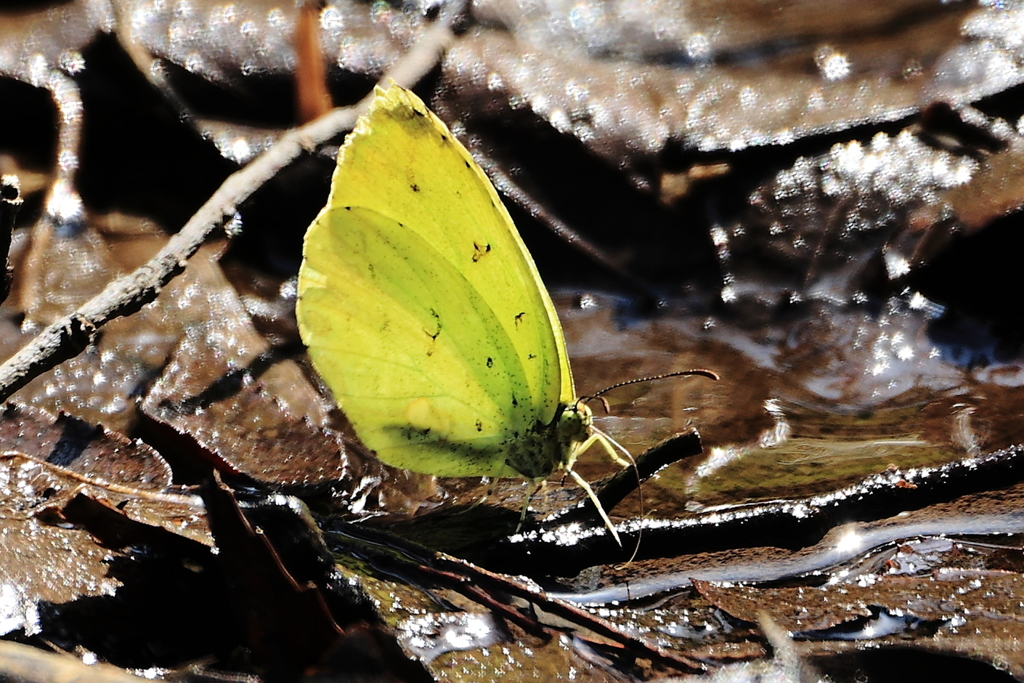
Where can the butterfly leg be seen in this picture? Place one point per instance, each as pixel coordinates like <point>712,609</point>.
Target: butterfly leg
<point>593,498</point>
<point>535,486</point>
<point>491,488</point>
<point>606,443</point>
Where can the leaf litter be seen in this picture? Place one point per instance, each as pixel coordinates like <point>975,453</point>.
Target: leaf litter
<point>195,378</point>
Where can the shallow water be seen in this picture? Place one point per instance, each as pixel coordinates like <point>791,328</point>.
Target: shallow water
<point>773,426</point>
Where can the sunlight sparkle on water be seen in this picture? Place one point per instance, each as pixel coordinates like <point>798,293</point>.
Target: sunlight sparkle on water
<point>64,204</point>
<point>834,66</point>
<point>851,541</point>
<point>698,48</point>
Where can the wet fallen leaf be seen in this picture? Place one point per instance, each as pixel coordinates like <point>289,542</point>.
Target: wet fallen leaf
<point>52,560</point>
<point>84,449</point>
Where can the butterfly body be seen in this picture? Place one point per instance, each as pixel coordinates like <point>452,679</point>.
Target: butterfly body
<point>425,314</point>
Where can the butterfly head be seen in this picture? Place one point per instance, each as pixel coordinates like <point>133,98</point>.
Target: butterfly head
<point>573,424</point>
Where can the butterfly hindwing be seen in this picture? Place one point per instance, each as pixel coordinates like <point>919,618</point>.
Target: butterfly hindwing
<point>401,347</point>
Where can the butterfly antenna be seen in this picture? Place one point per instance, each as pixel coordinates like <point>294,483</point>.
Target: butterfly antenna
<point>682,373</point>
<point>609,441</point>
<point>604,403</point>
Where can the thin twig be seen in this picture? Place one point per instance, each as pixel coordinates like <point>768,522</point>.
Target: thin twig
<point>69,336</point>
<point>481,586</point>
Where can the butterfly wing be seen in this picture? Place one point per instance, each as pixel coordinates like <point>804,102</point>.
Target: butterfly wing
<point>420,305</point>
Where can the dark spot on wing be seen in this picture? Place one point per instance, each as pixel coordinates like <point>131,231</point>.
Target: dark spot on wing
<point>444,137</point>
<point>479,426</point>
<point>437,320</point>
<point>531,356</point>
<point>515,401</point>
<point>348,208</point>
<point>415,187</point>
<point>479,251</point>
<point>467,164</point>
<point>490,362</point>
<point>436,333</point>
<point>519,317</point>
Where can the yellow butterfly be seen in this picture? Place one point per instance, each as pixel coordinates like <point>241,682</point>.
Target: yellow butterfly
<point>425,315</point>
